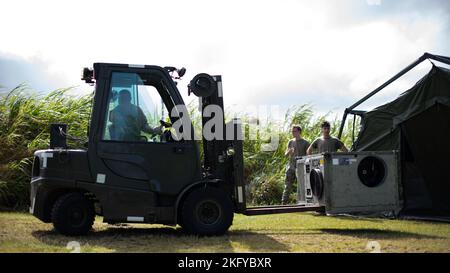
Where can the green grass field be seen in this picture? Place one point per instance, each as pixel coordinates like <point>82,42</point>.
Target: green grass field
<point>300,232</point>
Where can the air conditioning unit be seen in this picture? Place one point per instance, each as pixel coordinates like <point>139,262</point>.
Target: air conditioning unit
<point>351,182</point>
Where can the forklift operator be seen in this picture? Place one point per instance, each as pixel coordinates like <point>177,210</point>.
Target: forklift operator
<point>128,120</point>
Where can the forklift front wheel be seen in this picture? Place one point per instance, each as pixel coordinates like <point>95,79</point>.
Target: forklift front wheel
<point>73,214</point>
<point>207,212</point>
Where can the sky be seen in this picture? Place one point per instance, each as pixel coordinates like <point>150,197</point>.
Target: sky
<point>325,52</point>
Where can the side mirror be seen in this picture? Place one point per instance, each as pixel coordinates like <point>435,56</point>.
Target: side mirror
<point>181,72</point>
<point>202,85</point>
<point>88,75</point>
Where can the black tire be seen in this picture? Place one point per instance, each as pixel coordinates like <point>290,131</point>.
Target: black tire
<point>207,212</point>
<point>73,214</point>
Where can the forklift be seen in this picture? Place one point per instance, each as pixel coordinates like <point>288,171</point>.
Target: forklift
<point>133,171</point>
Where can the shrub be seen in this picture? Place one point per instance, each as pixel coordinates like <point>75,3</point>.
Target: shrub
<point>24,128</point>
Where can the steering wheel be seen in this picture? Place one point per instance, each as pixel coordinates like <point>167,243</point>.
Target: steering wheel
<point>165,124</point>
<point>166,135</point>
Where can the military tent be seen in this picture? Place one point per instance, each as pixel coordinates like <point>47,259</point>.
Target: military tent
<point>417,124</point>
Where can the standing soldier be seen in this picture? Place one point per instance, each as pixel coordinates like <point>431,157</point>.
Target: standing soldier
<point>326,143</point>
<point>296,147</point>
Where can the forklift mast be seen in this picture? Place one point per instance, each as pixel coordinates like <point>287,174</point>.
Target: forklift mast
<point>223,157</point>
<point>214,151</point>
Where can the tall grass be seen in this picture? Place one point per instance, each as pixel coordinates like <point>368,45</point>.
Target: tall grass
<point>264,172</point>
<point>24,127</point>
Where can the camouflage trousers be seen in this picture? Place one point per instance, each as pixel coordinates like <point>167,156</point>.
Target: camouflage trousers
<point>289,180</point>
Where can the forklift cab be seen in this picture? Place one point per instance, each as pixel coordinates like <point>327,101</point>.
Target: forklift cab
<point>126,143</point>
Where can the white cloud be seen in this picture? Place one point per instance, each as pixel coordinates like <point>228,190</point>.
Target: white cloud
<point>329,53</point>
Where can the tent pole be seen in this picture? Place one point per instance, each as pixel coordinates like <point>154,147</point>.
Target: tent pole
<point>341,129</point>
<point>425,56</point>
<point>391,80</point>
<point>353,133</point>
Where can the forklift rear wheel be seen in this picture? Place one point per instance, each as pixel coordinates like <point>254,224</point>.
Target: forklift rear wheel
<point>207,212</point>
<point>73,214</point>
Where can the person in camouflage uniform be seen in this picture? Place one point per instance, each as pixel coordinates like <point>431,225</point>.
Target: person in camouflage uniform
<point>326,143</point>
<point>296,147</point>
